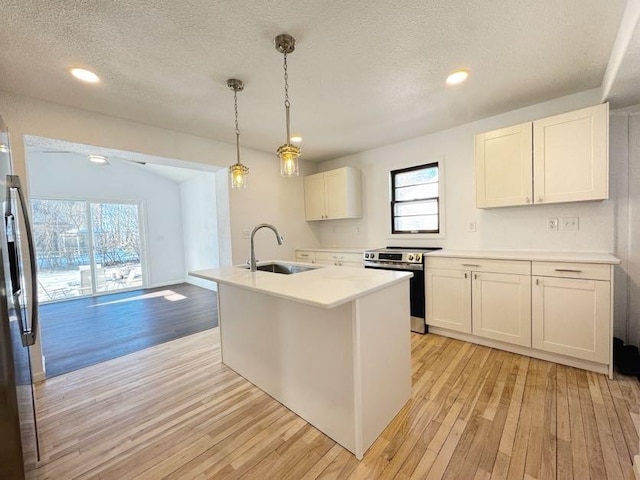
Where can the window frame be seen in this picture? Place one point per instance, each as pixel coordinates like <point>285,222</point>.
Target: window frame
<point>435,233</point>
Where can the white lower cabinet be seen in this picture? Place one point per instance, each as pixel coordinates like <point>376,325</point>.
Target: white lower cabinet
<point>571,317</point>
<point>559,311</point>
<point>448,294</point>
<point>305,256</point>
<point>502,307</point>
<point>490,299</point>
<point>330,257</point>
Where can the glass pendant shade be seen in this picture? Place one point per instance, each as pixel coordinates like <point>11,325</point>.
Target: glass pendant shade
<point>289,160</point>
<point>238,174</point>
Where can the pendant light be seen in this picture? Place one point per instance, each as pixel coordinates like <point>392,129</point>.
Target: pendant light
<point>237,171</point>
<point>288,153</point>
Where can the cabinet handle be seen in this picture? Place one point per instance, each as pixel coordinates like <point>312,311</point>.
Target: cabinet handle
<point>475,276</point>
<point>568,270</point>
<point>527,200</point>
<point>537,281</point>
<point>539,199</point>
<point>470,265</point>
<point>465,274</point>
<point>303,254</point>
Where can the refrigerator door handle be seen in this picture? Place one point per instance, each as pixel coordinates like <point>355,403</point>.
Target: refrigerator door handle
<point>29,333</point>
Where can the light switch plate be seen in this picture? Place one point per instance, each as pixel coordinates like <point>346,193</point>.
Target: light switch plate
<point>570,223</point>
<point>552,224</point>
<point>472,227</point>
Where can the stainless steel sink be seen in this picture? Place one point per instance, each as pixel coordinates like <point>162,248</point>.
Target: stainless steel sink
<point>284,268</point>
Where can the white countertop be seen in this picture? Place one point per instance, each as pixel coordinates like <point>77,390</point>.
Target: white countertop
<point>324,287</point>
<point>535,256</point>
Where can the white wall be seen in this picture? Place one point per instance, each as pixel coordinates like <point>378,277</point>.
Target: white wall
<point>518,228</point>
<point>611,226</point>
<point>270,198</point>
<point>625,157</point>
<point>72,176</point>
<point>200,226</point>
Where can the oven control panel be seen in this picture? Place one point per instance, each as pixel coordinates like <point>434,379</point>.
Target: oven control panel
<point>395,257</point>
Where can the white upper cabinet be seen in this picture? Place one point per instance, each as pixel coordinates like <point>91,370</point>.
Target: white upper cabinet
<point>314,204</point>
<point>503,167</point>
<point>333,194</point>
<point>571,156</point>
<point>564,158</point>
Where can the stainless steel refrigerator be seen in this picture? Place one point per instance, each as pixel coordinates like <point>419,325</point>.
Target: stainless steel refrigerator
<point>19,449</point>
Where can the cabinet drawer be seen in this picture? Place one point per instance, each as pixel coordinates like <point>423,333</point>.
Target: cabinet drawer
<point>592,271</point>
<point>521,267</point>
<point>305,256</point>
<point>339,256</point>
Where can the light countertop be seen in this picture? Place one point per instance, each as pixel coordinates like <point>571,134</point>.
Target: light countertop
<point>534,256</point>
<point>324,287</point>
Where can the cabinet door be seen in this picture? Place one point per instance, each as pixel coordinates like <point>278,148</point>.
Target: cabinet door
<point>448,297</point>
<point>335,193</point>
<point>571,317</point>
<point>314,207</point>
<point>503,167</point>
<point>502,307</point>
<point>571,156</point>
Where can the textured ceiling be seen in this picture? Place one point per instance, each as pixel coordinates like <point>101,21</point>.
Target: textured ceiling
<point>365,72</point>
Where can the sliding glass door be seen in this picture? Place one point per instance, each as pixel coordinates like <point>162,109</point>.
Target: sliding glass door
<point>86,248</point>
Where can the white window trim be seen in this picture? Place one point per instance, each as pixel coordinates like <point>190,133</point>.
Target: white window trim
<point>441,201</point>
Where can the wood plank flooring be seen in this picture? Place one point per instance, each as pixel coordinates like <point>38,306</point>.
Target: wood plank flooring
<point>86,331</point>
<point>174,411</point>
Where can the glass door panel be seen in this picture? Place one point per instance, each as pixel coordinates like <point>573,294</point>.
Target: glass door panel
<point>61,236</point>
<point>116,246</point>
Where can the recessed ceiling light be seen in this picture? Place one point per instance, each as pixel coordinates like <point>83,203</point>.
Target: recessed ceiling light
<point>457,77</point>
<point>98,159</point>
<point>85,75</point>
<point>296,139</point>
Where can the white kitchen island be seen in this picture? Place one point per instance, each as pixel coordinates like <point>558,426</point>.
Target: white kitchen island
<point>332,344</point>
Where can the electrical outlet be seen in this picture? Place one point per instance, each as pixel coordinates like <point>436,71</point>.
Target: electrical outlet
<point>245,234</point>
<point>570,223</point>
<point>552,224</point>
<point>472,226</point>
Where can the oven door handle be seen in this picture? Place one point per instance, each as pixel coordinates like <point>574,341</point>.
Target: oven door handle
<point>400,268</point>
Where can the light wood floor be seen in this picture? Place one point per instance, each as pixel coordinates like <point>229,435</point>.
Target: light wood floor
<point>174,411</point>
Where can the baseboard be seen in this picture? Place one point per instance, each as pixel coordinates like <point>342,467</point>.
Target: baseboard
<point>39,377</point>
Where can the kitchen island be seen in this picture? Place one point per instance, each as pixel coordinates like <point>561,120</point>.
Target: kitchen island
<point>332,344</point>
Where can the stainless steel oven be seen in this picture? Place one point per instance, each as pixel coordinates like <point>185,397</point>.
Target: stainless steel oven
<point>404,259</point>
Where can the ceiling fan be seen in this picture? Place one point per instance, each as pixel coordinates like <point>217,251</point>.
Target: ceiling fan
<point>78,153</point>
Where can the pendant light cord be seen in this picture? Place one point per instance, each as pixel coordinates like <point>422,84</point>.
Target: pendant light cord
<point>287,104</point>
<point>235,105</point>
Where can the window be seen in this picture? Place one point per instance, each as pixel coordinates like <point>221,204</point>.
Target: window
<point>415,201</point>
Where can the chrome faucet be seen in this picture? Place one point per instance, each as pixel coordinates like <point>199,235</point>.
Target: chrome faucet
<point>252,263</point>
